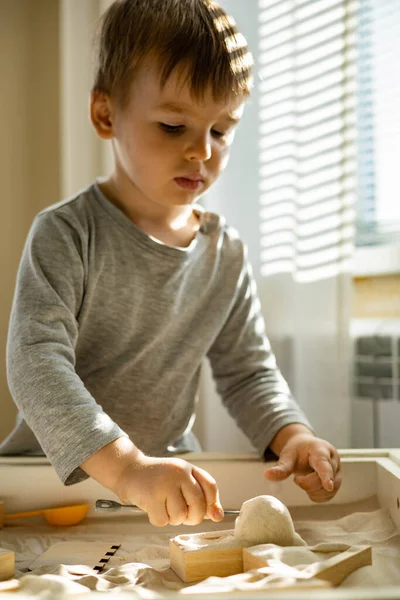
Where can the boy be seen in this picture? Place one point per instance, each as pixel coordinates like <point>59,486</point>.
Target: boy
<point>125,288</point>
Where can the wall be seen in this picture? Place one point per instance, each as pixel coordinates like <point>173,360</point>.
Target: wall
<point>29,161</point>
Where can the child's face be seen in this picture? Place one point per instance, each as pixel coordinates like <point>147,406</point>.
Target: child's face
<point>168,145</point>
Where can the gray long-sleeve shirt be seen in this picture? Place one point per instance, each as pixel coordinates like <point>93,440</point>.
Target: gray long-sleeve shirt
<point>109,328</point>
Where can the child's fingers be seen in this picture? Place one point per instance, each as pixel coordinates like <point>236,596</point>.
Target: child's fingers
<point>312,484</point>
<point>338,479</point>
<point>283,468</point>
<point>320,461</point>
<point>195,501</point>
<point>158,515</point>
<point>177,509</point>
<point>210,490</point>
<point>309,483</point>
<point>335,461</point>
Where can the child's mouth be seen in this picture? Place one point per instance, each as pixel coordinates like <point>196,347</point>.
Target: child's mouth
<point>189,184</point>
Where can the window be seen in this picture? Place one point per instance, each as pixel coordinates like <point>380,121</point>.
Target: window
<point>378,215</point>
<point>330,131</point>
<point>308,135</point>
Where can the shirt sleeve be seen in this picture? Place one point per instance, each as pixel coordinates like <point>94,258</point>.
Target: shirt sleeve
<point>245,371</point>
<point>43,332</point>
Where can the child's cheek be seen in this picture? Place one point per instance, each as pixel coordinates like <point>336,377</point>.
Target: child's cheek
<point>224,159</point>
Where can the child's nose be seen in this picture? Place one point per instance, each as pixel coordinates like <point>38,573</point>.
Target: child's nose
<point>199,149</point>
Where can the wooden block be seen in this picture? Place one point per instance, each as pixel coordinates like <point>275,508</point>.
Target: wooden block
<point>338,567</point>
<point>7,564</point>
<point>195,557</point>
<point>333,570</point>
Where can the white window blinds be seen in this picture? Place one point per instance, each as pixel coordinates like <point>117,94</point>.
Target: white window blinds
<point>378,121</point>
<point>307,62</point>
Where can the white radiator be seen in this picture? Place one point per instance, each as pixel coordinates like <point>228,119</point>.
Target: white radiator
<point>376,383</point>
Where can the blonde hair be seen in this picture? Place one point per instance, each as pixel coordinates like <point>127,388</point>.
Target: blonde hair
<point>197,35</point>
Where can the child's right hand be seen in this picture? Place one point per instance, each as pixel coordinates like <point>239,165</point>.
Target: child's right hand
<point>171,490</point>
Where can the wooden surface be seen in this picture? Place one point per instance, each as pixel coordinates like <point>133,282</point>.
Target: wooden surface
<point>7,564</point>
<point>333,570</point>
<point>197,564</point>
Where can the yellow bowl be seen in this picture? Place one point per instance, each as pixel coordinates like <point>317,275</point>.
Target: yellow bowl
<point>62,516</point>
<point>66,515</point>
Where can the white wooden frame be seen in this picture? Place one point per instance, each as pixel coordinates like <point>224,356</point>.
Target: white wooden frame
<point>365,473</point>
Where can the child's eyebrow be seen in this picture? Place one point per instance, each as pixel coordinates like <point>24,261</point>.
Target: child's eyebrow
<point>171,106</point>
<point>186,108</point>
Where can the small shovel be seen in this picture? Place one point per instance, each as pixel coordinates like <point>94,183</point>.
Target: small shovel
<point>62,516</point>
<point>112,506</point>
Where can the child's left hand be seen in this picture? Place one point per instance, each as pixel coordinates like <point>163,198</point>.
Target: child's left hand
<point>315,464</point>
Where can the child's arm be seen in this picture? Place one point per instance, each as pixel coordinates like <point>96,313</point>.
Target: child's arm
<point>245,370</point>
<point>65,418</point>
<point>259,399</point>
<point>71,427</point>
<point>170,490</point>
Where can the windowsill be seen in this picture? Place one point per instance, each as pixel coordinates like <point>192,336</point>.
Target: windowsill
<point>377,260</point>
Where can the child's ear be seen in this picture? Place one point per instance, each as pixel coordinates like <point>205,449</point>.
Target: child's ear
<point>101,115</point>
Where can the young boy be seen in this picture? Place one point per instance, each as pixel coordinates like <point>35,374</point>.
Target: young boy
<point>125,288</point>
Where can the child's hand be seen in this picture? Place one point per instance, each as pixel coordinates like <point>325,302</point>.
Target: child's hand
<point>315,464</point>
<point>172,491</point>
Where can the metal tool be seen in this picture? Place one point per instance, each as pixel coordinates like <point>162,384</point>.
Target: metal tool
<point>113,506</point>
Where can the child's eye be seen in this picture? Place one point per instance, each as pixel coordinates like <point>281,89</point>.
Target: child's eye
<point>177,129</point>
<point>172,128</point>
